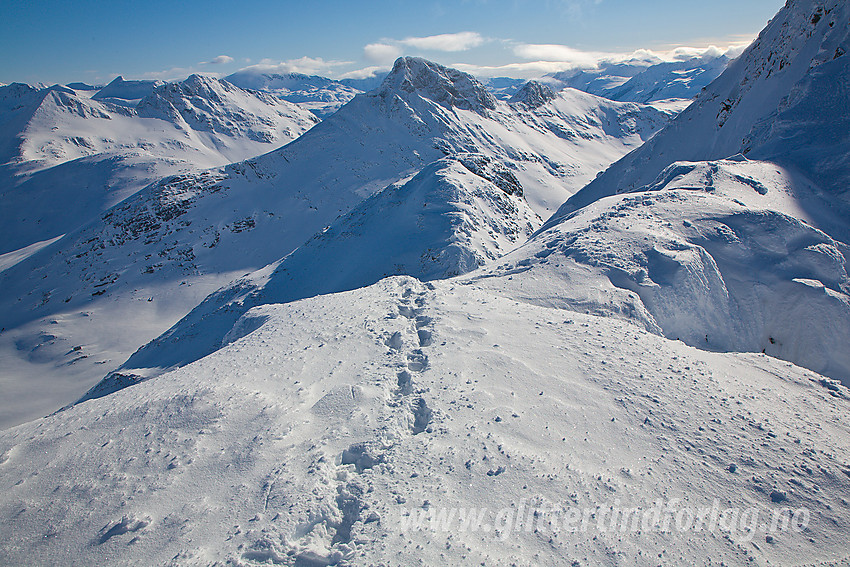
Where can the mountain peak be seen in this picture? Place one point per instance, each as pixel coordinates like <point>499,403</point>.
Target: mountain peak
<point>445,86</point>
<point>118,88</point>
<point>533,94</point>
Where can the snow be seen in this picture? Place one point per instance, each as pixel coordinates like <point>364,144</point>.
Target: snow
<point>67,158</point>
<point>9,259</point>
<point>329,422</point>
<point>320,95</point>
<point>196,228</point>
<point>447,220</point>
<point>368,333</point>
<point>713,253</point>
<point>645,79</point>
<point>783,86</point>
<point>125,93</point>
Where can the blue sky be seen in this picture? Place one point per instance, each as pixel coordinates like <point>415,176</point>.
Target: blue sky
<point>59,41</point>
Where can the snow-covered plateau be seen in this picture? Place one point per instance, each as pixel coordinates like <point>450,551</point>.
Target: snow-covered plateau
<point>440,326</point>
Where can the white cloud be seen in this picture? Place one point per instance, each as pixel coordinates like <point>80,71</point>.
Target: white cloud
<point>445,42</point>
<point>304,65</point>
<point>526,70</point>
<point>559,53</point>
<point>381,52</point>
<point>365,73</point>
<point>548,58</point>
<point>220,60</point>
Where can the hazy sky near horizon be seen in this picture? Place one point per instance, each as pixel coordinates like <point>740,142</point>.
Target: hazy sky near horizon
<point>59,41</point>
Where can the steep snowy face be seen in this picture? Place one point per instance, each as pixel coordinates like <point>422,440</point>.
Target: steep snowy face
<point>451,218</point>
<point>780,101</point>
<point>721,255</point>
<point>448,87</point>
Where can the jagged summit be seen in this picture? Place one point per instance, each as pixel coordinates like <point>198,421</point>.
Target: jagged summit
<point>445,86</point>
<point>533,94</point>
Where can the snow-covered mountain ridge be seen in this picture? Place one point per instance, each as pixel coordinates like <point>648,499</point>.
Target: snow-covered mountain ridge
<point>749,254</point>
<point>565,403</point>
<point>207,227</point>
<point>452,217</point>
<point>645,80</point>
<point>313,438</point>
<point>67,157</point>
<point>716,254</point>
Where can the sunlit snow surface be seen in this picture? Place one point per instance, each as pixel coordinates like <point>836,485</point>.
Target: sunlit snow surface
<point>437,396</point>
<point>675,334</point>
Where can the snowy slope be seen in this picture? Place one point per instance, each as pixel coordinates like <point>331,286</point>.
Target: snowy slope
<point>732,255</point>
<point>66,158</point>
<point>720,255</point>
<point>449,219</point>
<point>127,93</point>
<point>670,80</point>
<point>205,228</point>
<point>318,438</point>
<point>784,100</point>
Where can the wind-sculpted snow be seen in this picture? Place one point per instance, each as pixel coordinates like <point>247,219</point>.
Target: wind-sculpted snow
<point>717,254</point>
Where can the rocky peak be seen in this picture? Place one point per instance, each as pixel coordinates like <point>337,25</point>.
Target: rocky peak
<point>533,94</point>
<point>448,87</point>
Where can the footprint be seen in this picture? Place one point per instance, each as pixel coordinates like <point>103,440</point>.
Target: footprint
<point>125,525</point>
<point>394,341</point>
<point>416,361</point>
<point>421,416</point>
<point>424,337</point>
<point>362,455</point>
<point>405,382</point>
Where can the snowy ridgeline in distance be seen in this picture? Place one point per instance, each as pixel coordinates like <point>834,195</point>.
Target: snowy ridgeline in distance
<point>67,156</point>
<point>191,233</point>
<point>319,95</point>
